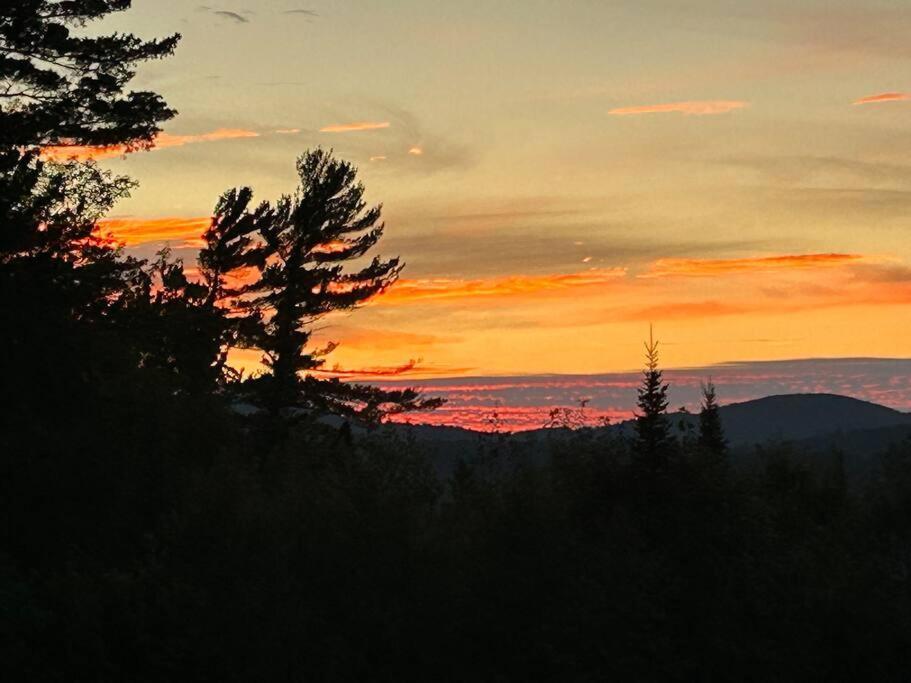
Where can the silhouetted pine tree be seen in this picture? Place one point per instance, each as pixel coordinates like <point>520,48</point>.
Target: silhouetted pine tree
<point>653,439</point>
<point>711,434</point>
<point>300,246</point>
<point>63,86</point>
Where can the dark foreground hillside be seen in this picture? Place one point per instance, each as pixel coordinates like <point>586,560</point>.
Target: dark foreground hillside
<point>198,545</point>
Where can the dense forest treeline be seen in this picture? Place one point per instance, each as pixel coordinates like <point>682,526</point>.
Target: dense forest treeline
<point>150,530</point>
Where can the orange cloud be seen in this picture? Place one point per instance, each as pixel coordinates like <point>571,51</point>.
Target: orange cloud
<point>133,231</point>
<point>354,127</point>
<point>844,295</point>
<point>685,310</point>
<point>407,291</point>
<point>702,267</point>
<point>702,108</point>
<point>416,151</point>
<point>372,339</point>
<point>162,141</point>
<point>331,247</point>
<point>884,97</point>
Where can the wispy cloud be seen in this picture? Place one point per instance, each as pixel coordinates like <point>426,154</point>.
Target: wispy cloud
<point>390,132</point>
<point>237,17</point>
<point>163,141</point>
<point>354,127</point>
<point>710,267</point>
<point>132,231</point>
<point>884,97</point>
<point>233,16</point>
<point>409,369</point>
<point>407,291</point>
<point>700,108</point>
<point>166,140</point>
<point>394,371</point>
<point>243,17</point>
<point>807,172</point>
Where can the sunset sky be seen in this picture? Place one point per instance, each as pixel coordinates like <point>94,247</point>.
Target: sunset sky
<point>558,175</point>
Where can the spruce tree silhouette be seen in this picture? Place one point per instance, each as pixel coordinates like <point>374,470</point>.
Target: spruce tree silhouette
<point>653,439</point>
<point>300,246</point>
<point>711,433</point>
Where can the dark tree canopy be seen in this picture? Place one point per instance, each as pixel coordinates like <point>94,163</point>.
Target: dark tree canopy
<point>64,289</point>
<point>653,438</point>
<point>49,249</point>
<point>52,210</point>
<point>58,87</point>
<point>70,300</point>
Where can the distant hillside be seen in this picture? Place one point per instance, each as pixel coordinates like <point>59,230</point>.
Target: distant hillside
<point>809,421</point>
<point>796,417</point>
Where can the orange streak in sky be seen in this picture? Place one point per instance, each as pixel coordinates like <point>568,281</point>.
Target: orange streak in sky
<point>688,108</point>
<point>406,291</point>
<point>161,141</point>
<point>701,267</point>
<point>133,231</point>
<point>685,310</point>
<point>384,339</point>
<point>884,97</point>
<point>354,127</point>
<point>330,247</point>
<point>860,295</point>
